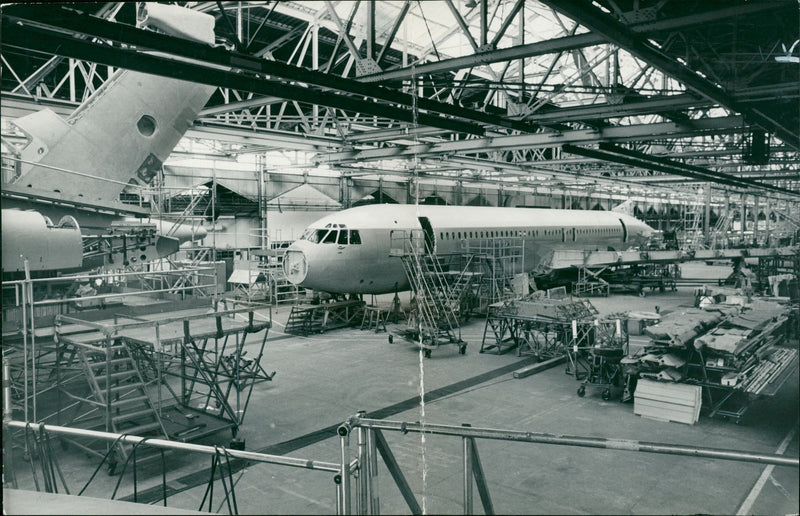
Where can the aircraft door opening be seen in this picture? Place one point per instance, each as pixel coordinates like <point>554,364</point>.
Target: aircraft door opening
<point>430,236</point>
<point>624,231</point>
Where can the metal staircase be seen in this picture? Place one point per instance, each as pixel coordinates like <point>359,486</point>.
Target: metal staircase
<point>300,321</point>
<point>118,390</point>
<point>438,294</point>
<point>692,225</point>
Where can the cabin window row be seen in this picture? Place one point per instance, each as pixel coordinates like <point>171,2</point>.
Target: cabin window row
<point>457,235</point>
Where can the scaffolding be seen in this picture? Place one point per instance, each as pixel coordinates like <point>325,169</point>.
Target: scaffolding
<point>538,326</point>
<point>691,235</point>
<point>307,319</point>
<point>263,281</point>
<point>498,261</point>
<point>126,362</point>
<point>102,360</point>
<point>601,280</point>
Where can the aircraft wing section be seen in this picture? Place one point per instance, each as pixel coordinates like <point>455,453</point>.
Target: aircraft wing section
<point>565,259</point>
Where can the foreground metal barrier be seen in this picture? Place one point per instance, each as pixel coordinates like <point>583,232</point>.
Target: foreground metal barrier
<point>371,442</point>
<point>50,467</point>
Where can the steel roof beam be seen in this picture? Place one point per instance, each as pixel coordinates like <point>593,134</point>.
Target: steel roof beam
<point>553,46</point>
<point>83,24</point>
<point>392,33</point>
<point>507,23</point>
<point>585,13</point>
<point>23,35</point>
<point>641,132</point>
<point>617,154</point>
<point>637,107</point>
<point>270,138</point>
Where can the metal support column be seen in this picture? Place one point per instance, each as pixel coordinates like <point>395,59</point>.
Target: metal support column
<point>466,443</point>
<point>484,7</point>
<point>756,210</point>
<point>371,29</point>
<point>372,457</point>
<point>363,470</point>
<point>743,219</point>
<point>345,486</point>
<point>707,216</point>
<point>767,228</point>
<point>8,462</point>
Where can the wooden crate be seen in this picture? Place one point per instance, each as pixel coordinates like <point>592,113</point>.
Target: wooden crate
<point>667,401</point>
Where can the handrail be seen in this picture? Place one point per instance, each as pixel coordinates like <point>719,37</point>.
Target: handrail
<point>106,275</point>
<point>176,445</point>
<point>61,318</point>
<point>570,440</point>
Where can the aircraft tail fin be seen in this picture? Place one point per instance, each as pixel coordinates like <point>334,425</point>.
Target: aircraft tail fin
<point>123,132</point>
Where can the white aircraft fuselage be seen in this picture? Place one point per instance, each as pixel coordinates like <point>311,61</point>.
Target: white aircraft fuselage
<point>349,251</point>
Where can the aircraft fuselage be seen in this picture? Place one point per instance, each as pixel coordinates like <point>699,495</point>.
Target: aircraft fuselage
<point>351,251</point>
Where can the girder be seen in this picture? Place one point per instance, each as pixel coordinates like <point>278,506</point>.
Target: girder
<point>220,57</point>
<point>601,23</point>
<point>26,33</point>
<point>559,44</point>
<point>642,132</point>
<point>628,157</point>
<point>302,96</point>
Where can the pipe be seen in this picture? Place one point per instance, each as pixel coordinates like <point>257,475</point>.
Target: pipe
<point>467,448</point>
<point>582,441</point>
<point>345,471</point>
<point>68,279</point>
<point>364,470</point>
<point>180,446</point>
<point>8,461</point>
<point>372,457</point>
<point>146,324</point>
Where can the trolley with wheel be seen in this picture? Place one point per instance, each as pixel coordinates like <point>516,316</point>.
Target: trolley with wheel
<point>604,370</point>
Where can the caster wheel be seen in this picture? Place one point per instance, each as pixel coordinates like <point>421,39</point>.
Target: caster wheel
<point>581,391</point>
<point>606,395</point>
<point>391,339</point>
<point>462,350</point>
<point>427,353</point>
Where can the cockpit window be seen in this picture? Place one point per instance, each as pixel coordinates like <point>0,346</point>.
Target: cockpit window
<point>313,235</point>
<point>320,235</point>
<point>332,235</point>
<point>330,238</point>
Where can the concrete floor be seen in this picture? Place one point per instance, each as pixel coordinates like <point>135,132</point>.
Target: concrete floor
<point>322,379</point>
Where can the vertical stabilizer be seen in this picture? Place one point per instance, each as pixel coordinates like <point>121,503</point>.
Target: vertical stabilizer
<point>123,132</point>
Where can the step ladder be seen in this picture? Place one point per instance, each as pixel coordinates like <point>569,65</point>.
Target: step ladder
<point>117,386</point>
<point>438,300</point>
<point>301,321</point>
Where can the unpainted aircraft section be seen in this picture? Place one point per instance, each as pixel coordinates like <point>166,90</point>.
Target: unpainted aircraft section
<point>390,257</point>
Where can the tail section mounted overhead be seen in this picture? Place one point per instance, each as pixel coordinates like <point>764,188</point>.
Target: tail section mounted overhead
<point>123,132</point>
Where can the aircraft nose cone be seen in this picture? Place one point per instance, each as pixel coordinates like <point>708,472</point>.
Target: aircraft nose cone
<point>295,266</point>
